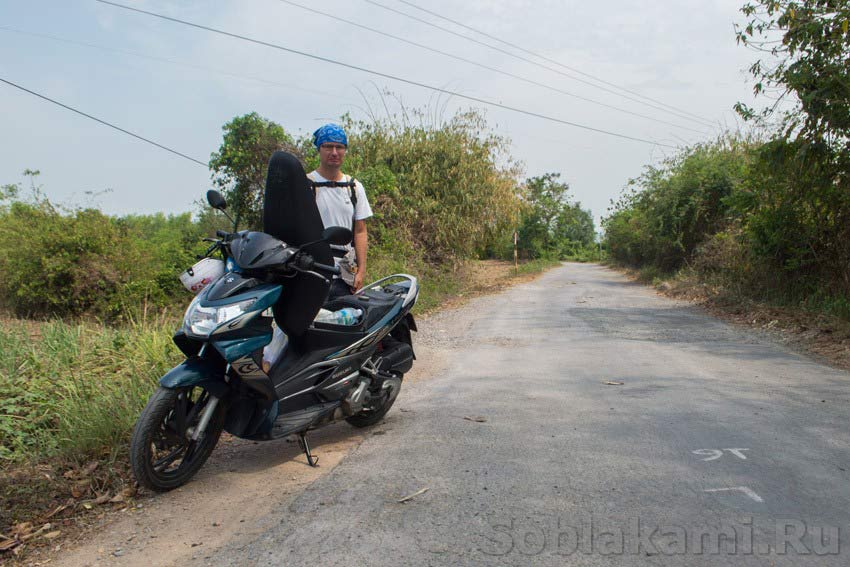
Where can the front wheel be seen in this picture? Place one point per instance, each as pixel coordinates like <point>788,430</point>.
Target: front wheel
<point>372,415</point>
<point>163,454</point>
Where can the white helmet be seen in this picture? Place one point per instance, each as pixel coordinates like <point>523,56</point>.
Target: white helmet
<point>202,274</point>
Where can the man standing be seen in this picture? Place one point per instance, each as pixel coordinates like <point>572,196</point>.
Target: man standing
<point>337,209</point>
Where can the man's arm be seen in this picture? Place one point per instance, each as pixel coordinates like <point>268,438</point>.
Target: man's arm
<point>361,244</point>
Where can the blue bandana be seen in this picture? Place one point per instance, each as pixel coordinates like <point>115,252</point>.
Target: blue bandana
<point>330,133</point>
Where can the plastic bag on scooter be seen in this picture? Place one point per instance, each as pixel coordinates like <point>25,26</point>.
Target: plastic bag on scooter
<point>344,316</point>
<point>274,349</point>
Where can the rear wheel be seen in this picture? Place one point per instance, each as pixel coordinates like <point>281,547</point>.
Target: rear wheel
<point>375,413</point>
<point>162,452</point>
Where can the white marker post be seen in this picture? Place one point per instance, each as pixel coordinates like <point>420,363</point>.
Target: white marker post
<point>516,255</point>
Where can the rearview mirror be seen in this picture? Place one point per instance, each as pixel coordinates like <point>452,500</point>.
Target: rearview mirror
<point>215,200</point>
<point>338,235</point>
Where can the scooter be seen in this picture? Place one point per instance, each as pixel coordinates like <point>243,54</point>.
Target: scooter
<point>327,372</point>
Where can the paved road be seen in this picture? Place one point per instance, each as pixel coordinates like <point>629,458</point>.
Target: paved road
<point>714,435</point>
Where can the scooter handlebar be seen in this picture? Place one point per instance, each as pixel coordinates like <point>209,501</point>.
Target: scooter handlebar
<point>306,262</point>
<point>325,268</point>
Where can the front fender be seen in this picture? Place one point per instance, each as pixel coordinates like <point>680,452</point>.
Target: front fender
<point>199,372</point>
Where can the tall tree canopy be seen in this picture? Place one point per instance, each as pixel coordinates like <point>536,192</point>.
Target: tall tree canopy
<point>808,42</point>
<point>239,165</point>
<point>552,226</point>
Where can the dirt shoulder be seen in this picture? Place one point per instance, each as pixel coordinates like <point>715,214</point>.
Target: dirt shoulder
<point>815,334</point>
<point>243,480</point>
<point>490,276</point>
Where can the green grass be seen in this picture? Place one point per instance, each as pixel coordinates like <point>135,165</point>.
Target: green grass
<point>652,275</point>
<point>436,286</point>
<point>73,389</point>
<point>437,283</point>
<point>537,266</point>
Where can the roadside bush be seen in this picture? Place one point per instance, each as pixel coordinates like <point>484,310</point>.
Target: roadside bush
<point>767,220</point>
<point>166,245</point>
<point>796,212</point>
<point>441,189</point>
<point>671,209</point>
<point>58,263</point>
<point>68,262</point>
<point>723,253</point>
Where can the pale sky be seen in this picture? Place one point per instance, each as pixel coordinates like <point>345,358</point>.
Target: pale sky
<point>178,85</point>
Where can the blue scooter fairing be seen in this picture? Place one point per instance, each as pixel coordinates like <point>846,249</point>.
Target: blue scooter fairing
<point>228,339</point>
<point>196,371</point>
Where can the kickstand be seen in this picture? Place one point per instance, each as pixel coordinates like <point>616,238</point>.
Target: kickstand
<point>302,442</point>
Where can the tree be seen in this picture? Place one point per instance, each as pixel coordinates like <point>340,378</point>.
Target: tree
<point>574,225</point>
<point>801,220</point>
<point>809,42</point>
<point>240,164</point>
<point>551,225</point>
<point>545,197</point>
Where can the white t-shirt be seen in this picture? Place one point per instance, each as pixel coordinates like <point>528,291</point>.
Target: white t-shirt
<point>334,204</point>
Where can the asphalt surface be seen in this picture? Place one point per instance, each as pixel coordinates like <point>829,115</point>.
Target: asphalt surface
<point>616,427</point>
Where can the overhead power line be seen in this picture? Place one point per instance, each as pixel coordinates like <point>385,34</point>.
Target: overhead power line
<point>104,122</point>
<point>701,121</point>
<point>172,62</point>
<point>384,75</point>
<point>489,68</point>
<point>543,57</point>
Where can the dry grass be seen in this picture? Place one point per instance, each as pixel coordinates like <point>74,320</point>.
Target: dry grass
<point>491,276</point>
<point>813,332</point>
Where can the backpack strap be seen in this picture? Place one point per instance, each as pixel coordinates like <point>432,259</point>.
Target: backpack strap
<point>349,184</point>
<point>352,186</point>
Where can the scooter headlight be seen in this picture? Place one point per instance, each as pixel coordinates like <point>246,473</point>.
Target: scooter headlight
<point>202,321</point>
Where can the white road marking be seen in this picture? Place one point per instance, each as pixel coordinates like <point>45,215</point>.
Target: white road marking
<point>746,490</point>
<point>738,453</point>
<point>714,454</point>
